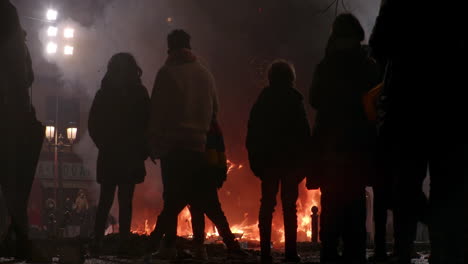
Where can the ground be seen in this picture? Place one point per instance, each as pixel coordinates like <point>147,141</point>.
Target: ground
<point>216,253</point>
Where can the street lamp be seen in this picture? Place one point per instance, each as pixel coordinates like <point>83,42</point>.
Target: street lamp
<point>51,14</point>
<point>68,33</point>
<point>52,31</point>
<point>68,50</point>
<point>60,145</point>
<point>71,132</point>
<point>55,42</point>
<point>52,47</point>
<point>50,132</point>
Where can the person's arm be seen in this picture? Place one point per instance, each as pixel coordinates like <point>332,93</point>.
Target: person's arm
<point>214,95</point>
<point>160,109</point>
<point>141,114</point>
<point>315,89</point>
<point>95,119</point>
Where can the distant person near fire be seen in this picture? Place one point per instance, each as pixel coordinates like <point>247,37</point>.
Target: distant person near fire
<point>117,124</point>
<point>183,104</point>
<point>277,138</point>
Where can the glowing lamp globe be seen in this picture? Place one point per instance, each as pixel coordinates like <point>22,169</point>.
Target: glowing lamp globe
<point>72,130</point>
<point>50,132</point>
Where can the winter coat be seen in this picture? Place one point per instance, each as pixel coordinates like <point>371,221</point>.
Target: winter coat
<point>278,130</point>
<point>183,102</point>
<point>24,132</point>
<point>16,74</point>
<point>117,124</point>
<point>425,69</point>
<point>342,135</point>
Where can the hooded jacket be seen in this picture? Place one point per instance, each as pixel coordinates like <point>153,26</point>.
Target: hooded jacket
<point>183,102</point>
<point>278,129</point>
<point>117,124</point>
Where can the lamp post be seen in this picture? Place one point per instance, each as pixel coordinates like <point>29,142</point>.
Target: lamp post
<point>59,143</point>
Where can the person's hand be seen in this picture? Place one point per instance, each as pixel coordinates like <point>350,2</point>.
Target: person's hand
<point>153,160</point>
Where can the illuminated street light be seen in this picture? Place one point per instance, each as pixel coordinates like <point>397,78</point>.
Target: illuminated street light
<point>52,31</point>
<point>68,33</point>
<point>51,48</point>
<point>71,132</point>
<point>68,50</point>
<point>51,14</point>
<point>50,132</point>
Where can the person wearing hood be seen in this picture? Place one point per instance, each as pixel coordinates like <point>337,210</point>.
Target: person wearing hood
<point>343,140</point>
<point>117,124</point>
<point>277,136</point>
<point>183,104</point>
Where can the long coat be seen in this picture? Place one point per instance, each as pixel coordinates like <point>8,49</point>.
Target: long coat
<point>117,124</point>
<point>342,135</point>
<point>278,130</point>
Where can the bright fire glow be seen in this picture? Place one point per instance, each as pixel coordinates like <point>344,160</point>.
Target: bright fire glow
<point>245,229</point>
<point>52,31</point>
<point>51,48</point>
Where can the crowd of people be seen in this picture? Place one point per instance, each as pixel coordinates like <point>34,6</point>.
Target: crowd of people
<point>417,129</point>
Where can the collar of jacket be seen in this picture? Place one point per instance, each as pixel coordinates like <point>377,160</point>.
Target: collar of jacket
<point>180,56</point>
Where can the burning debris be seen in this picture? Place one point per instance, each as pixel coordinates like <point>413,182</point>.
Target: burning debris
<point>247,228</point>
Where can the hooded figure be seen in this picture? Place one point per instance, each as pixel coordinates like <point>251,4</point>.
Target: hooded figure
<point>343,140</point>
<point>277,138</point>
<point>117,124</point>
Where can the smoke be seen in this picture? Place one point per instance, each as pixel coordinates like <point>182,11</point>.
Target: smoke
<point>236,39</point>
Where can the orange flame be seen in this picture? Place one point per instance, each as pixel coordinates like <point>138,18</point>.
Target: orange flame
<point>244,230</point>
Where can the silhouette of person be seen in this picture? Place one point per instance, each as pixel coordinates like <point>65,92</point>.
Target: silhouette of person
<point>117,124</point>
<point>421,128</point>
<point>343,140</point>
<point>217,171</point>
<point>183,102</point>
<point>278,132</point>
<point>23,136</point>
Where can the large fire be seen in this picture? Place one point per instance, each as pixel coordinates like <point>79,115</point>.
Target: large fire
<point>246,227</point>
